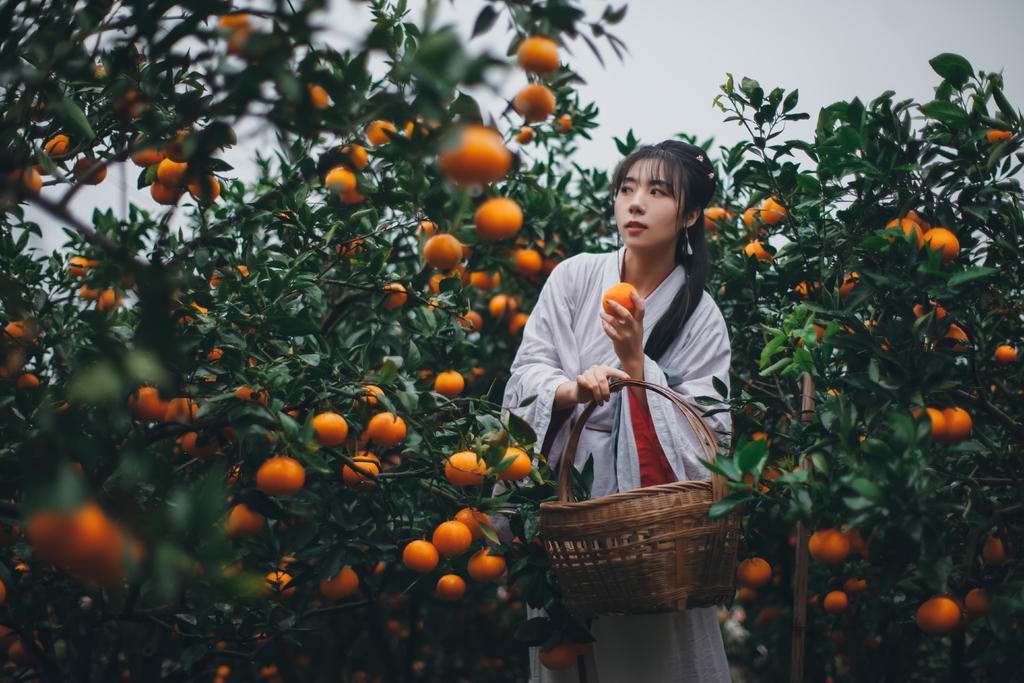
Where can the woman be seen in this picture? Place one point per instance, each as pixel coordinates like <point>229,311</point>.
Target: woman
<point>675,337</point>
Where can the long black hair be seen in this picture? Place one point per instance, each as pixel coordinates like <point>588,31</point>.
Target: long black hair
<point>691,176</point>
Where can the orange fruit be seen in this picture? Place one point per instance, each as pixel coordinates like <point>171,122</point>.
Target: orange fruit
<point>165,194</point>
<point>938,615</point>
<point>920,310</point>
<point>757,250</point>
<point>535,102</point>
<point>352,196</point>
<point>498,218</point>
<point>750,215</point>
<point>27,380</point>
<point>955,332</point>
<point>1005,355</point>
<point>171,173</point>
<point>473,519</point>
<point>561,656</point>
<point>243,522</point>
<point>428,228</point>
<point>483,280</point>
<point>340,180</point>
<point>386,429</point>
<point>525,135</point>
<point>538,55</point>
<point>148,406</point>
<point>318,96</point>
<point>771,212</point>
<point>364,461</point>
<point>940,239</point>
<point>420,556</point>
<point>994,136</point>
<point>993,552</point>
<point>181,410</point>
<point>377,132</point>
<point>465,468</point>
<point>476,156</point>
<point>848,284</point>
<point>280,582</point>
<point>3,593</point>
<point>528,262</point>
<point>397,297</point>
<point>977,602</point>
<point>483,566</point>
<point>621,293</point>
<point>205,190</point>
<point>452,538</point>
<point>829,546</point>
<point>145,158</point>
<point>472,321</point>
<point>79,265</point>
<point>443,251</point>
<point>517,323</point>
<point>500,304</point>
<point>189,442</point>
<point>451,587</point>
<point>344,584</point>
<point>909,226</point>
<point>370,394</point>
<point>215,354</point>
<point>355,156</point>
<point>520,467</point>
<point>330,429</point>
<point>754,572</point>
<point>712,214</point>
<point>280,476</point>
<point>250,395</point>
<point>449,383</point>
<point>836,602</point>
<point>29,179</point>
<point>958,424</point>
<point>938,423</point>
<point>855,586</point>
<point>564,123</point>
<point>57,146</point>
<point>84,171</point>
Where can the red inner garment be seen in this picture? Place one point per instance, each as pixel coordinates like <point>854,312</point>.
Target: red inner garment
<point>654,467</point>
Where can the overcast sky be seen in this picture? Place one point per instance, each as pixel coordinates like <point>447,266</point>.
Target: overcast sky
<point>680,52</point>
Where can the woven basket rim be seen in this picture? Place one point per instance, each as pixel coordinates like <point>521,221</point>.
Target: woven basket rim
<point>613,498</point>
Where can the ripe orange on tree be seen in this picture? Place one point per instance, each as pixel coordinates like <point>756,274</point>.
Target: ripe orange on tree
<point>855,586</point>
<point>977,602</point>
<point>836,602</point>
<point>754,572</point>
<point>993,551</point>
<point>377,132</point>
<point>940,239</point>
<point>528,262</point>
<point>909,227</point>
<point>147,156</point>
<point>497,219</point>
<point>473,519</point>
<point>451,587</point>
<point>243,522</point>
<point>520,467</point>
<point>340,180</point>
<point>205,189</point>
<point>281,583</point>
<point>1005,354</point>
<point>920,310</point>
<point>538,55</point>
<point>443,251</point>
<point>165,194</point>
<point>472,321</point>
<point>280,476</point>
<point>535,102</point>
<point>250,395</point>
<point>449,383</point>
<point>484,566</point>
<point>756,250</point>
<point>386,429</point>
<point>330,429</point>
<point>848,284</point>
<point>57,146</point>
<point>171,173</point>
<point>564,123</point>
<point>501,304</point>
<point>517,323</point>
<point>937,421</point>
<point>189,442</point>
<point>958,424</point>
<point>525,135</point>
<point>475,156</point>
<point>420,556</point>
<point>90,172</point>
<point>483,280</point>
<point>366,461</point>
<point>465,468</point>
<point>771,211</point>
<point>994,136</point>
<point>344,584</point>
<point>318,96</point>
<point>938,615</point>
<point>621,293</point>
<point>181,410</point>
<point>452,538</point>
<point>957,333</point>
<point>29,179</point>
<point>79,265</point>
<point>829,546</point>
<point>355,156</point>
<point>27,380</point>
<point>397,295</point>
<point>148,406</point>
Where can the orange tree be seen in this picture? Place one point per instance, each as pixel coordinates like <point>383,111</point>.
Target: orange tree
<point>881,260</point>
<point>228,425</point>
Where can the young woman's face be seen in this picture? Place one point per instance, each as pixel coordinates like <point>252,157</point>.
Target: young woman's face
<point>646,210</point>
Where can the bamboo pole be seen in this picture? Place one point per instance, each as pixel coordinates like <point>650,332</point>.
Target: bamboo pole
<point>796,671</point>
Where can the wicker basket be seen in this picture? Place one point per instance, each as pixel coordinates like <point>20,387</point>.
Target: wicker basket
<point>648,550</point>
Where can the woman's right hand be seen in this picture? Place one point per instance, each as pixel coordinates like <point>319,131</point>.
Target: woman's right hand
<point>593,384</point>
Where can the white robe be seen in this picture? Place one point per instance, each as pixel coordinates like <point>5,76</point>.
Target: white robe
<point>564,337</point>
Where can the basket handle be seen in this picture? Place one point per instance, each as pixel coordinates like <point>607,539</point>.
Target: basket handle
<point>700,427</point>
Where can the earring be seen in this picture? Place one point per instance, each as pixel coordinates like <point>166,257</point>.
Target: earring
<point>689,249</point>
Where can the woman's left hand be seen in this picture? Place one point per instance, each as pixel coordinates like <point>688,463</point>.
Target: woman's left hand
<point>626,330</point>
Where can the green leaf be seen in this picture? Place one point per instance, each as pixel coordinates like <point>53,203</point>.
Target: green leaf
<point>947,112</point>
<point>73,118</point>
<point>790,101</point>
<point>971,274</point>
<point>520,430</point>
<point>484,20</point>
<point>751,457</point>
<point>729,503</point>
<point>953,68</point>
<point>866,489</point>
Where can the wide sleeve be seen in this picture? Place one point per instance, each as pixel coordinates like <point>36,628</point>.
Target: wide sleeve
<point>547,357</point>
<point>688,368</point>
